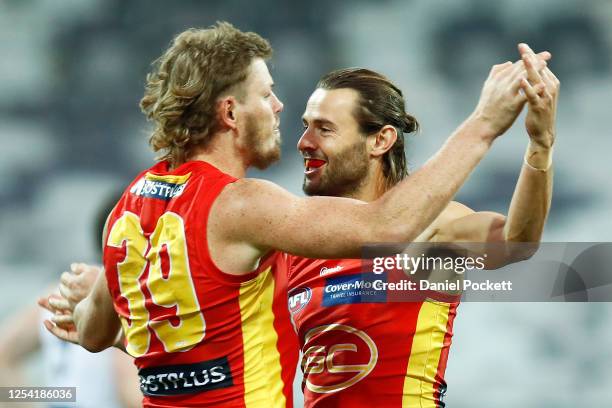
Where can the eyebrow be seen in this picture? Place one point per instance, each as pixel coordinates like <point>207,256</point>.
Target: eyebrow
<point>320,122</point>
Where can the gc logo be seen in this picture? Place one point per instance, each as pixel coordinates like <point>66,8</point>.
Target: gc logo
<point>337,356</point>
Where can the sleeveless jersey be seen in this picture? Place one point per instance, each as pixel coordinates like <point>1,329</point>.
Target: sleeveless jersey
<point>200,337</point>
<point>363,346</point>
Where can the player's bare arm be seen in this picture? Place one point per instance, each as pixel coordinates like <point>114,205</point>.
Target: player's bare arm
<point>96,321</point>
<point>75,285</point>
<point>84,312</point>
<point>250,217</point>
<point>531,199</point>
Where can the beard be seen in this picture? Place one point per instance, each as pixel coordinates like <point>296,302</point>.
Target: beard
<point>261,146</point>
<point>343,174</point>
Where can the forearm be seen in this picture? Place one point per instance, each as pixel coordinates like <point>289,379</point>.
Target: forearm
<point>96,331</point>
<point>420,198</point>
<point>83,321</point>
<point>532,196</point>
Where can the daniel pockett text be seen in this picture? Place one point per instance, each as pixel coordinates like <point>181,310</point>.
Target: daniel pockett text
<point>444,286</point>
<point>457,264</point>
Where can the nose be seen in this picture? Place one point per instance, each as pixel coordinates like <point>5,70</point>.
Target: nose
<point>278,105</point>
<point>307,142</point>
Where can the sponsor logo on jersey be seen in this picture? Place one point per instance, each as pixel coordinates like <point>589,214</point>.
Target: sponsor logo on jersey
<point>356,288</point>
<point>326,271</point>
<point>336,357</point>
<point>158,187</point>
<point>298,299</point>
<point>186,378</point>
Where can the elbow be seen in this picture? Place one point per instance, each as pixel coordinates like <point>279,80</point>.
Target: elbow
<point>506,253</point>
<point>523,251</point>
<point>529,249</point>
<point>93,340</point>
<point>522,245</point>
<point>93,345</point>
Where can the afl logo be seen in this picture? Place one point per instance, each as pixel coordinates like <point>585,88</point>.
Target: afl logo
<point>298,299</point>
<point>336,357</point>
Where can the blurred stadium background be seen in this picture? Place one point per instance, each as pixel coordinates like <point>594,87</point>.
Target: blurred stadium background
<point>71,134</point>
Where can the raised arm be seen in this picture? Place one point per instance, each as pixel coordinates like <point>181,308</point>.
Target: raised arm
<point>266,216</point>
<point>532,196</point>
<point>254,216</point>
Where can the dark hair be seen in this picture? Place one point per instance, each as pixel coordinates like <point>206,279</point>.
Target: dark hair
<point>182,90</point>
<point>380,103</point>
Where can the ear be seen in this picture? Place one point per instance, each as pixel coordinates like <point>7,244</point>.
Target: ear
<point>226,109</point>
<point>383,140</point>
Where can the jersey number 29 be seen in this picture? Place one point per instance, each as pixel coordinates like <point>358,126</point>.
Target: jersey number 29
<point>172,291</point>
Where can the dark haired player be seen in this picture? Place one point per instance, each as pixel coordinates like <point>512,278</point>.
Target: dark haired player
<point>360,348</point>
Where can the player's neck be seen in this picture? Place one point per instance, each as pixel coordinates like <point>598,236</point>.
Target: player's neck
<point>373,188</point>
<point>222,153</point>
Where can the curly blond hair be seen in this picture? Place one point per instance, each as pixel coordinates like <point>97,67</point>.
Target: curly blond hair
<point>181,92</point>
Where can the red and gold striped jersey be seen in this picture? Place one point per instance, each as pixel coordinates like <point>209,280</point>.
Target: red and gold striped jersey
<point>200,337</point>
<point>362,345</point>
